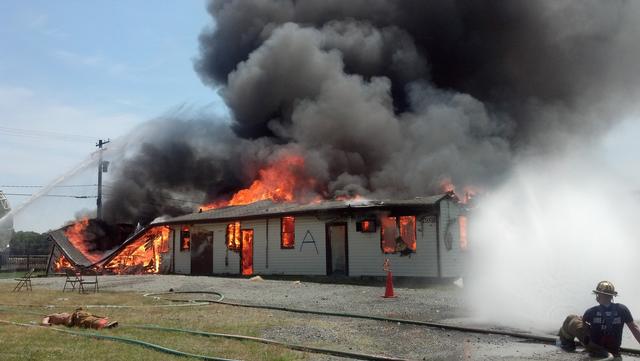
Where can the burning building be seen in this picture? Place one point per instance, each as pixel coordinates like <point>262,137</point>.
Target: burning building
<point>377,98</point>
<point>111,249</point>
<point>423,237</point>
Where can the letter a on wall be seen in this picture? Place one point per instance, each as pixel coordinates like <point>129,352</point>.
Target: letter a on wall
<point>308,238</point>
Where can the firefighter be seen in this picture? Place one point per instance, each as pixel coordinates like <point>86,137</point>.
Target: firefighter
<point>600,328</point>
<point>79,318</point>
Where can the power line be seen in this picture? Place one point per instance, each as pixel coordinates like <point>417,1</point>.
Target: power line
<point>32,186</point>
<point>50,195</point>
<point>32,133</point>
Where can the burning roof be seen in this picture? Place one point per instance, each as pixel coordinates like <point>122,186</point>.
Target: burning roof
<point>270,208</point>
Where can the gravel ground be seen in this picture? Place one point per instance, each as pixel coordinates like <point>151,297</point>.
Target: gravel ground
<point>441,303</point>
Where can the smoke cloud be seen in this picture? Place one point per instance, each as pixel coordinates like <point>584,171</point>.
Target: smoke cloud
<point>542,241</point>
<point>386,98</point>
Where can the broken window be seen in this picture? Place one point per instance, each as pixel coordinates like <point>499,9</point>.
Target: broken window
<point>185,239</point>
<point>233,236</point>
<point>366,226</point>
<point>462,222</point>
<point>398,234</point>
<point>287,232</point>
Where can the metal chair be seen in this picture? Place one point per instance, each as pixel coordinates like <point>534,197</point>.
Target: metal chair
<point>89,276</point>
<point>24,281</point>
<point>73,279</point>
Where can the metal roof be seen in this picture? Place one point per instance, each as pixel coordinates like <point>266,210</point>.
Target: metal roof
<point>270,208</point>
<point>70,252</point>
<point>76,257</point>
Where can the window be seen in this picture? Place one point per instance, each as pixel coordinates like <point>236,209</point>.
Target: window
<point>233,236</point>
<point>398,234</point>
<point>462,222</point>
<point>287,232</point>
<point>366,226</point>
<point>185,239</point>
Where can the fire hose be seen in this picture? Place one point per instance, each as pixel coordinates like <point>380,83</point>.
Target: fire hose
<point>189,302</point>
<point>303,348</point>
<point>525,336</point>
<point>123,339</point>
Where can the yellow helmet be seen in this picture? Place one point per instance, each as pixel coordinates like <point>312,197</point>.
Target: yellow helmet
<point>606,288</point>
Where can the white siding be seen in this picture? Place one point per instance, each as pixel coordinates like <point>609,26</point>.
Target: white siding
<point>305,258</point>
<point>366,257</point>
<point>308,257</point>
<point>224,261</point>
<point>452,260</point>
<point>182,262</point>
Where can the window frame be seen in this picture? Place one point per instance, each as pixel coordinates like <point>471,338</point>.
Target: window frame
<point>235,226</point>
<point>185,234</point>
<point>292,232</point>
<point>398,229</point>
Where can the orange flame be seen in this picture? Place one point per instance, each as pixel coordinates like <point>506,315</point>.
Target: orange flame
<point>464,242</point>
<point>282,181</point>
<point>61,263</point>
<point>76,234</point>
<point>233,236</point>
<point>446,185</point>
<point>142,256</point>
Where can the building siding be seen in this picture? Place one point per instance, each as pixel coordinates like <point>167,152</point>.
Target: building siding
<point>308,257</point>
<point>366,257</point>
<point>452,258</point>
<point>182,261</point>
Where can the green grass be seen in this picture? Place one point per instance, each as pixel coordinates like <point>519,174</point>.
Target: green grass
<point>39,343</point>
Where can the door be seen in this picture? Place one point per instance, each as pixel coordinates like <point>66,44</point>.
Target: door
<point>337,249</point>
<point>202,253</point>
<point>246,261</point>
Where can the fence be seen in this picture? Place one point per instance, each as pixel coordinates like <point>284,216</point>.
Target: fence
<point>16,263</point>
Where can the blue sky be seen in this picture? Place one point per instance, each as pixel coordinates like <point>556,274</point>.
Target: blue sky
<point>92,70</point>
<point>75,71</point>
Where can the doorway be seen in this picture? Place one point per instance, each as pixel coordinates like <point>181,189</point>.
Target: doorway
<point>202,253</point>
<point>246,259</point>
<point>337,246</point>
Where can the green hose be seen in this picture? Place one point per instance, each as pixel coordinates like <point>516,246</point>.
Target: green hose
<point>532,337</point>
<point>125,340</point>
<point>303,348</point>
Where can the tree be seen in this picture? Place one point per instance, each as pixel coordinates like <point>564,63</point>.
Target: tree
<point>29,243</point>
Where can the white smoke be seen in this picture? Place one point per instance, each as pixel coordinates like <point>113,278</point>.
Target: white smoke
<point>547,236</point>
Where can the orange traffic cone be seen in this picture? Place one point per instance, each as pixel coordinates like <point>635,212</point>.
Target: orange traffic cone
<point>388,292</point>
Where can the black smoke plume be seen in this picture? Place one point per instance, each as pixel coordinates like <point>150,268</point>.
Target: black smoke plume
<point>387,98</point>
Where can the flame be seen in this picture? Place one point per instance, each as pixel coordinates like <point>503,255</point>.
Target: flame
<point>464,242</point>
<point>367,226</point>
<point>247,252</point>
<point>288,235</point>
<point>76,234</point>
<point>395,229</point>
<point>446,185</point>
<point>61,263</point>
<point>233,236</point>
<point>142,256</point>
<point>281,181</point>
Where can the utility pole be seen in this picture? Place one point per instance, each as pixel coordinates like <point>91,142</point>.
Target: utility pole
<point>102,167</point>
